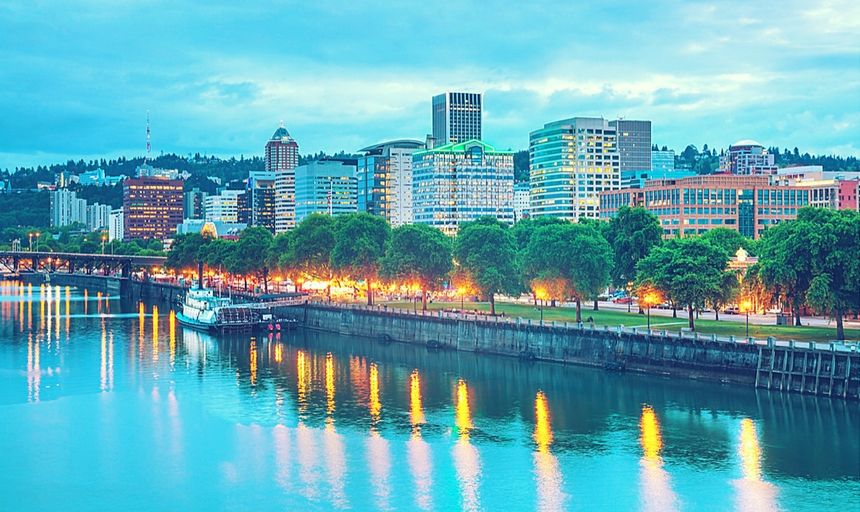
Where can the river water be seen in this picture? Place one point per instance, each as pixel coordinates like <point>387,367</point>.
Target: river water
<point>112,407</point>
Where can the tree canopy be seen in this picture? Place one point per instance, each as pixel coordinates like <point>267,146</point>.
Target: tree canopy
<point>418,253</point>
<point>485,250</point>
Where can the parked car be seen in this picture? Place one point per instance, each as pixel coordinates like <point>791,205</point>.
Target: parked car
<point>734,310</point>
<point>623,300</point>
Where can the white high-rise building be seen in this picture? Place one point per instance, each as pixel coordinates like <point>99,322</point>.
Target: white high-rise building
<point>116,225</point>
<point>282,158</point>
<point>98,216</point>
<point>456,117</point>
<point>384,176</point>
<point>67,209</point>
<point>571,162</point>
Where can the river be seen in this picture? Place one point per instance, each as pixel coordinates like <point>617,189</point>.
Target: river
<point>106,406</point>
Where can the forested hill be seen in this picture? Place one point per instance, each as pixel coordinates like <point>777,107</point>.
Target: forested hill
<point>200,166</point>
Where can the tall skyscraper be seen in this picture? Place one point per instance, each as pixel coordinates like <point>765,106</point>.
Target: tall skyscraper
<point>325,186</point>
<point>384,176</point>
<point>456,183</point>
<point>747,157</point>
<point>456,117</point>
<point>571,161</point>
<point>152,207</point>
<point>261,199</point>
<point>282,158</point>
<point>633,139</point>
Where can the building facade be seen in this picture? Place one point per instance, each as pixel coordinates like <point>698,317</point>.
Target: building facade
<point>633,139</point>
<point>282,158</point>
<point>663,161</point>
<point>98,217</point>
<point>637,179</point>
<point>260,198</point>
<point>67,209</point>
<point>152,207</point>
<point>225,207</point>
<point>194,204</point>
<point>384,180</point>
<point>522,194</point>
<point>571,162</point>
<point>747,157</point>
<point>116,225</point>
<point>694,205</point>
<point>456,117</point>
<point>457,183</point>
<point>326,186</point>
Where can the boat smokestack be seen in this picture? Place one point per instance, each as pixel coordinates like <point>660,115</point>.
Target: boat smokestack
<point>200,274</point>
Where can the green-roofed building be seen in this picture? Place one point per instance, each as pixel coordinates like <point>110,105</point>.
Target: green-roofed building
<point>460,182</point>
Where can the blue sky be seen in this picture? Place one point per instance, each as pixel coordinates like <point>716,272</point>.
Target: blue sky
<point>77,77</point>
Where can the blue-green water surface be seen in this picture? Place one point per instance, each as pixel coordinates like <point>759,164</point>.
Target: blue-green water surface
<point>112,407</point>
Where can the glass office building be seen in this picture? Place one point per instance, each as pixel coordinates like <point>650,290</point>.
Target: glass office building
<point>571,162</point>
<point>457,183</point>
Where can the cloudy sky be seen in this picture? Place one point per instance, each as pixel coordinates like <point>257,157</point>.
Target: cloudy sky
<point>77,77</point>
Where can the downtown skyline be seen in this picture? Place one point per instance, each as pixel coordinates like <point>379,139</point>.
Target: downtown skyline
<point>81,76</point>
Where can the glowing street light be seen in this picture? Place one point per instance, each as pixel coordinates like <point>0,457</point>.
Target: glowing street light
<point>104,239</point>
<point>746,305</point>
<point>542,295</point>
<point>649,298</point>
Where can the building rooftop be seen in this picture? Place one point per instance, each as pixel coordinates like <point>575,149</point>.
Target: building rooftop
<point>747,142</point>
<point>397,143</point>
<point>462,147</point>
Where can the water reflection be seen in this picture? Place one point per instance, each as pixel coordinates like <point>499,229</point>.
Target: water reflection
<point>753,493</point>
<point>549,481</point>
<point>418,452</point>
<point>334,420</point>
<point>466,459</point>
<point>656,492</point>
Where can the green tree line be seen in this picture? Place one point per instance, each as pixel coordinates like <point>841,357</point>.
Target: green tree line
<point>811,261</point>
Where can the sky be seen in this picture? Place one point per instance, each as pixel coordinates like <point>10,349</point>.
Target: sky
<point>77,77</point>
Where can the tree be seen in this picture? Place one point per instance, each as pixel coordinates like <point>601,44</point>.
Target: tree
<point>632,234</point>
<point>359,247</point>
<point>726,292</point>
<point>786,252</point>
<point>418,253</point>
<point>310,248</point>
<point>729,240</point>
<point>186,252</point>
<point>565,261</point>
<point>689,270</point>
<point>252,251</point>
<point>485,250</point>
<point>835,285</point>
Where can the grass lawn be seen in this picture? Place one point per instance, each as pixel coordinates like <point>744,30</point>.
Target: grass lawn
<point>613,318</point>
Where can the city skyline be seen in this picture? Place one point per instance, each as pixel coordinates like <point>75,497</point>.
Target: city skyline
<point>783,74</point>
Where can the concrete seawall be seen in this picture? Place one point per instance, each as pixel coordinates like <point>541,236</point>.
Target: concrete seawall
<point>798,368</point>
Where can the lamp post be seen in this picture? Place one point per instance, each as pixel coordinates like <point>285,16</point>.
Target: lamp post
<point>746,307</point>
<point>104,239</point>
<point>541,294</point>
<point>650,298</point>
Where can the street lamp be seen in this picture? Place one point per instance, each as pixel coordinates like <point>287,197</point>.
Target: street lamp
<point>650,298</point>
<point>104,239</point>
<point>541,294</point>
<point>746,305</point>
